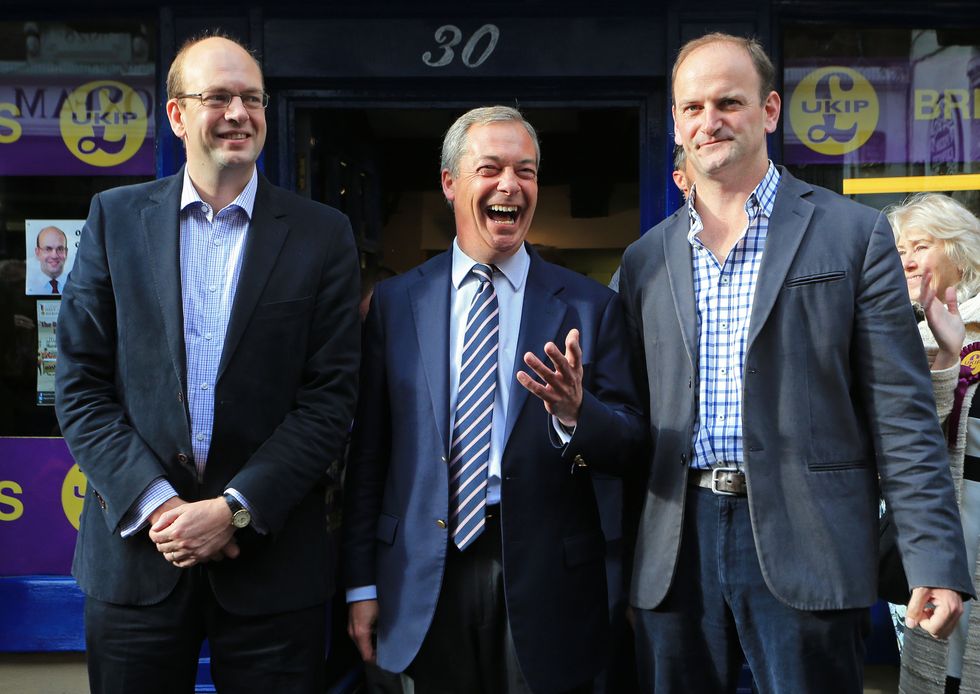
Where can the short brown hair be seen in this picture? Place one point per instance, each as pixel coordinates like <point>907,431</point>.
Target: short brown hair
<point>175,76</point>
<point>763,66</point>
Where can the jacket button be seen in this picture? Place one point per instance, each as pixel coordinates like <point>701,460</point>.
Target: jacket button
<point>182,458</point>
<point>441,523</point>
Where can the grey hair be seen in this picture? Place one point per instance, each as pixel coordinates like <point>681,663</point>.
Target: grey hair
<point>454,142</point>
<point>947,220</point>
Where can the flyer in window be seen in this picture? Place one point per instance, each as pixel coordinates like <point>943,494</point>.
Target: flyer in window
<point>47,349</point>
<point>51,246</point>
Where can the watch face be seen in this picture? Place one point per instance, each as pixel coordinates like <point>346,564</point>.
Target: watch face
<point>241,518</point>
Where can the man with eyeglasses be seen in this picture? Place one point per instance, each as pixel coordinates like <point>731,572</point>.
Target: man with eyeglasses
<point>209,343</point>
<point>51,251</point>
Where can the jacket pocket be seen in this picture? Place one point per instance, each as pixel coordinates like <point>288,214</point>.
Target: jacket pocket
<point>830,465</point>
<point>816,278</point>
<point>387,527</point>
<point>580,549</point>
<point>284,309</point>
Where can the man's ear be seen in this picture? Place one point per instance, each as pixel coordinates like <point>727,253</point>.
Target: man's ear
<point>773,105</point>
<point>680,180</point>
<point>448,185</point>
<point>176,118</point>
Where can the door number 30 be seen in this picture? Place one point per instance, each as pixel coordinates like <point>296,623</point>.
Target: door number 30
<point>448,36</point>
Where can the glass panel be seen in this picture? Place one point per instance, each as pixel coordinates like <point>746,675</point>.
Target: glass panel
<point>878,113</point>
<point>77,114</point>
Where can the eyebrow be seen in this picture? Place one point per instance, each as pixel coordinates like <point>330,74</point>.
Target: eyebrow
<point>229,90</point>
<point>496,160</point>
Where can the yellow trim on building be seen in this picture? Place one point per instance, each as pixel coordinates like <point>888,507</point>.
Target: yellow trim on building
<point>911,184</point>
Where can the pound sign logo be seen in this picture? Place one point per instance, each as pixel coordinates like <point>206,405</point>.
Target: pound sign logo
<point>73,494</point>
<point>834,110</point>
<point>103,123</point>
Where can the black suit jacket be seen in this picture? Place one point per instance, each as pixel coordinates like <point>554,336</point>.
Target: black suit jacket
<point>284,393</point>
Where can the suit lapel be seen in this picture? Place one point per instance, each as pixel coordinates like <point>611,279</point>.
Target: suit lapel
<point>541,319</point>
<point>266,234</point>
<point>160,225</point>
<point>429,299</point>
<point>680,272</point>
<point>790,216</point>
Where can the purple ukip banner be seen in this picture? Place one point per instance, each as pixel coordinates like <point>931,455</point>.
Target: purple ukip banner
<point>64,125</point>
<point>858,111</point>
<point>41,493</point>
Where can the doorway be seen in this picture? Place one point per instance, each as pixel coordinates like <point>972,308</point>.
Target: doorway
<point>380,166</point>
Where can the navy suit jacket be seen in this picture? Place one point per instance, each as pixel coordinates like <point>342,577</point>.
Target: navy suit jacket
<point>397,483</point>
<point>836,400</point>
<point>284,393</point>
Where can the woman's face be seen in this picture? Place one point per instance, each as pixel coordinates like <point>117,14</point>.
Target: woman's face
<point>919,252</point>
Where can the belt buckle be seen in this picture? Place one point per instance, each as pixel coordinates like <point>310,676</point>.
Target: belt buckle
<point>716,474</point>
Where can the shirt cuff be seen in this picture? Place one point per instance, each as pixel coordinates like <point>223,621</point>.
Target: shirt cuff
<point>138,515</point>
<point>256,523</point>
<point>564,433</point>
<point>362,593</point>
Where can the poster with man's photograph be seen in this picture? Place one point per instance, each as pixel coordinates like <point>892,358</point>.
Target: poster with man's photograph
<point>51,245</point>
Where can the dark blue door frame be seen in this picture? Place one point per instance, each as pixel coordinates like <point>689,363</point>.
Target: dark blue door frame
<point>653,199</point>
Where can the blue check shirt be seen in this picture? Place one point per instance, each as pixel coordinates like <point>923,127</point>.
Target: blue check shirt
<point>211,250</point>
<point>723,294</point>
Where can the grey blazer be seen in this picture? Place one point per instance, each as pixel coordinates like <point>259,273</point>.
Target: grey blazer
<point>836,401</point>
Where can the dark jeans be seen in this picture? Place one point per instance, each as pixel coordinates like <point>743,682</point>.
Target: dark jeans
<point>720,610</point>
<point>154,648</point>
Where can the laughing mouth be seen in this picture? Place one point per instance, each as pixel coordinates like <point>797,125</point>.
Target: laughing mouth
<point>234,136</point>
<point>503,214</point>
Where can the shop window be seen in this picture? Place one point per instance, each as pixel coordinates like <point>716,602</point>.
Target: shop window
<point>879,113</point>
<point>77,106</point>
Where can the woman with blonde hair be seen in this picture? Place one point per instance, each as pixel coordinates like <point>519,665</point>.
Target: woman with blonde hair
<point>938,240</point>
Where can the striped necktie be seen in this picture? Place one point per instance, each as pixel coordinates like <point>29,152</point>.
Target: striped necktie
<point>469,453</point>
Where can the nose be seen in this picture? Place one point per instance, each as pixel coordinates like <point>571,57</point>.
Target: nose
<point>908,262</point>
<point>236,110</point>
<point>710,119</point>
<point>508,182</point>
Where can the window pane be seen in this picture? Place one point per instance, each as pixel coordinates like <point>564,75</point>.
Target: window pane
<point>76,117</point>
<point>879,113</point>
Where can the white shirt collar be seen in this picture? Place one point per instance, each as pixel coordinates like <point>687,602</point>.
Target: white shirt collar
<point>514,268</point>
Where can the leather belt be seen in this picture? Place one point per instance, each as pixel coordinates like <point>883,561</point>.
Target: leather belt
<point>727,481</point>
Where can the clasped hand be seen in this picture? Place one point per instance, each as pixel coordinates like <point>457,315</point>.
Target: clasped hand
<point>193,533</point>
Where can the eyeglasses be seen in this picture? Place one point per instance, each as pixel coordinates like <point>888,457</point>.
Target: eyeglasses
<point>250,100</point>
